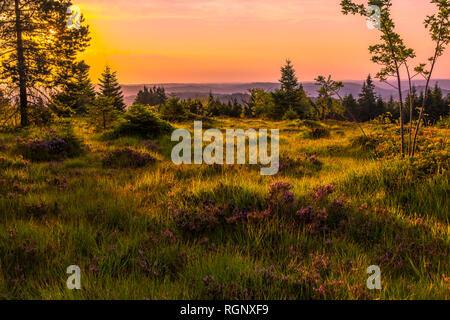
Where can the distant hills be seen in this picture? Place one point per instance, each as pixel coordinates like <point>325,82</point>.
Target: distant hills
<point>227,91</point>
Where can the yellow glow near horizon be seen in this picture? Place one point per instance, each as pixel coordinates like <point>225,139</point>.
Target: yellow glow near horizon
<point>160,41</point>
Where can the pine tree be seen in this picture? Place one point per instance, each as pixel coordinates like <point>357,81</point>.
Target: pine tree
<point>173,110</point>
<point>77,92</point>
<point>367,101</point>
<point>291,95</point>
<point>379,107</point>
<point>102,113</point>
<point>236,109</point>
<point>350,103</point>
<point>109,87</point>
<point>155,96</point>
<point>212,106</point>
<point>32,57</point>
<point>289,80</point>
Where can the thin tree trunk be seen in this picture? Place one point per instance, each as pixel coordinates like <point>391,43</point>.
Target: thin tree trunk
<point>399,87</point>
<point>351,114</point>
<point>401,109</point>
<point>425,96</point>
<point>23,96</point>
<point>410,112</point>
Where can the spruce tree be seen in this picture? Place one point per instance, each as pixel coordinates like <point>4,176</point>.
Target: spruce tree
<point>173,110</point>
<point>37,49</point>
<point>291,95</point>
<point>350,103</point>
<point>109,87</point>
<point>77,91</point>
<point>367,100</point>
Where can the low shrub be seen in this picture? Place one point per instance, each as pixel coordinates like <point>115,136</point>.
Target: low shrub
<point>51,146</point>
<point>127,158</point>
<point>318,133</point>
<point>366,143</point>
<point>140,121</point>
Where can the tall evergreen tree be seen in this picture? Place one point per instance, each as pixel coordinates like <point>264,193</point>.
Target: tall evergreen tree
<point>37,49</point>
<point>77,92</point>
<point>367,101</point>
<point>350,103</point>
<point>437,107</point>
<point>236,109</point>
<point>213,106</point>
<point>379,107</point>
<point>291,96</point>
<point>109,87</point>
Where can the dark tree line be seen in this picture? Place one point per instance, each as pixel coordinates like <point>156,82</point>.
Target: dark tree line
<point>369,106</point>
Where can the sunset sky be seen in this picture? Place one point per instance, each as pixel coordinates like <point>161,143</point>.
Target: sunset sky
<point>161,41</point>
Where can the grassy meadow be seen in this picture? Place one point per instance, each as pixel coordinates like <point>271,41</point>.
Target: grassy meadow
<point>153,230</point>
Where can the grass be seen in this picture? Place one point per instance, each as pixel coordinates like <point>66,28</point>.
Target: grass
<point>226,232</point>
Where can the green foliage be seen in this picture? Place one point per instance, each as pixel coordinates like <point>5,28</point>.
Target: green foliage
<point>140,121</point>
<point>127,158</point>
<point>156,96</point>
<point>259,105</point>
<point>291,96</point>
<point>368,102</point>
<point>317,133</point>
<point>77,91</point>
<point>326,105</point>
<point>56,144</point>
<point>40,115</point>
<point>32,58</point>
<point>103,113</point>
<point>173,110</point>
<point>212,232</point>
<point>290,115</point>
<point>109,87</point>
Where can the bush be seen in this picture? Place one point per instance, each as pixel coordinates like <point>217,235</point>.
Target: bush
<point>140,121</point>
<point>173,110</point>
<point>102,113</point>
<point>290,115</point>
<point>52,145</point>
<point>366,143</point>
<point>443,122</point>
<point>318,133</point>
<point>41,115</point>
<point>127,158</point>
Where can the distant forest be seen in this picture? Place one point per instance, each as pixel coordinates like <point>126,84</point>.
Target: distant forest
<point>290,101</point>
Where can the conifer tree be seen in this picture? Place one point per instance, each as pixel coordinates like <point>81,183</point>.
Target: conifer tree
<point>109,87</point>
<point>291,95</point>
<point>36,48</point>
<point>350,103</point>
<point>367,101</point>
<point>77,91</point>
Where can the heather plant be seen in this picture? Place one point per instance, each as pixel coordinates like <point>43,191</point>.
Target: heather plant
<point>127,158</point>
<point>226,232</point>
<point>280,199</point>
<point>318,133</point>
<point>52,145</point>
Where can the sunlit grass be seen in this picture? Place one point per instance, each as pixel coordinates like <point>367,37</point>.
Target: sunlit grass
<point>118,224</point>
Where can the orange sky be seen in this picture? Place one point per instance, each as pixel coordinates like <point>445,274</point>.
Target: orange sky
<point>161,41</point>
